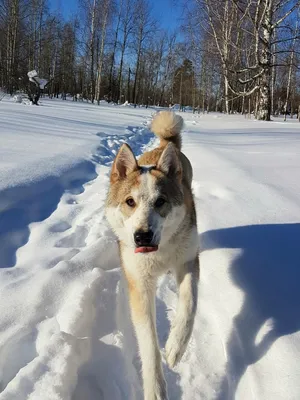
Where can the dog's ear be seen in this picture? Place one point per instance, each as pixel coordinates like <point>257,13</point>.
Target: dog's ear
<point>169,162</point>
<point>125,163</point>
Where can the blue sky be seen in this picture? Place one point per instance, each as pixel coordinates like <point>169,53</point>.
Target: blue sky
<point>165,11</point>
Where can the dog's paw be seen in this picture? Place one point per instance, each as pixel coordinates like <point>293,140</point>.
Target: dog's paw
<point>175,348</point>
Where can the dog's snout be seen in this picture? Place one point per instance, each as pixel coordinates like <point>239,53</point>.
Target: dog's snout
<point>142,238</point>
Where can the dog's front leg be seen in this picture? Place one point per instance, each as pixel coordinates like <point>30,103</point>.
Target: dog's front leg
<point>182,326</point>
<point>142,305</point>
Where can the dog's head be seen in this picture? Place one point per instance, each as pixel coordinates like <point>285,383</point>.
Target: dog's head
<point>145,204</point>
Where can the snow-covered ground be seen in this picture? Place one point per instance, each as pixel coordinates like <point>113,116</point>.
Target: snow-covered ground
<point>65,331</point>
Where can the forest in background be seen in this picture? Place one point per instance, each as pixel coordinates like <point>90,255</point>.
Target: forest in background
<point>226,55</point>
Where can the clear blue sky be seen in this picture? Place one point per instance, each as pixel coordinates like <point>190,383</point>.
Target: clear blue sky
<point>165,11</point>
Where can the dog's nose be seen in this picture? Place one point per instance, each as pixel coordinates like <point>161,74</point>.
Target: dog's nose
<point>142,238</point>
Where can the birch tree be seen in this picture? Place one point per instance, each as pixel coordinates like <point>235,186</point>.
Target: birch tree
<point>257,21</point>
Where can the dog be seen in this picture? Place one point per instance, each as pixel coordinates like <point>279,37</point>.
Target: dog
<point>151,209</point>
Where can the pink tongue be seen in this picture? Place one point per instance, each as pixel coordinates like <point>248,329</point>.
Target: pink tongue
<point>145,249</point>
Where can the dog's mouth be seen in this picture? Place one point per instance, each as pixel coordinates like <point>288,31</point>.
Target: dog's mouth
<point>145,249</point>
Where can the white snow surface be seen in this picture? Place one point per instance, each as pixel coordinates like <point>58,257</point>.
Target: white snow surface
<point>65,330</point>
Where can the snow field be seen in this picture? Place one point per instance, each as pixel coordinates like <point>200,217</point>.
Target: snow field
<point>65,330</point>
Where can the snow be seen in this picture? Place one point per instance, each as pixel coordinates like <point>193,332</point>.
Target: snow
<point>65,330</point>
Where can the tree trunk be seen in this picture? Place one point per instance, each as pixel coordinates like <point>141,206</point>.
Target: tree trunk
<point>100,61</point>
<point>120,83</point>
<point>114,51</point>
<point>264,110</point>
<point>226,94</point>
<point>127,25</point>
<point>128,98</point>
<point>137,71</point>
<point>264,106</point>
<point>92,53</point>
<point>226,28</point>
<point>180,92</point>
<point>288,88</point>
<point>13,26</point>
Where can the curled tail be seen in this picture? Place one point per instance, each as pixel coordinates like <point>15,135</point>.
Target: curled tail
<point>167,126</point>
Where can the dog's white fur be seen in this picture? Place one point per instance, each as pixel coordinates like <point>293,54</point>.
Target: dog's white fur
<point>176,234</point>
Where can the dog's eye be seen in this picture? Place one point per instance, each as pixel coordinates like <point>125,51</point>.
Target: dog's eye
<point>160,202</point>
<point>130,202</point>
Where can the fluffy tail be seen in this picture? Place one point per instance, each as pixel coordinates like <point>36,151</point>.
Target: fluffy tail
<point>167,126</point>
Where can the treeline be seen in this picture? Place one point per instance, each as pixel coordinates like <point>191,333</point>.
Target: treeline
<point>110,49</point>
<point>226,55</point>
<point>246,54</point>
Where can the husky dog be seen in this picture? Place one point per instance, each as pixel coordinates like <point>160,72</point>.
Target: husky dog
<point>151,209</point>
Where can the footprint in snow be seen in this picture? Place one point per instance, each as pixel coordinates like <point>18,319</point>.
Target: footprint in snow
<point>75,239</point>
<point>65,257</point>
<point>60,226</point>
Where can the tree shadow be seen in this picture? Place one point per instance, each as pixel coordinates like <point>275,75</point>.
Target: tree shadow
<point>268,271</point>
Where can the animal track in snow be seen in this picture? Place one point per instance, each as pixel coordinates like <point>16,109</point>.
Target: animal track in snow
<point>60,226</point>
<point>75,239</point>
<point>65,257</point>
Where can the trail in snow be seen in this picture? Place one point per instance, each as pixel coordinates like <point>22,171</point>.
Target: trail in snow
<point>41,160</point>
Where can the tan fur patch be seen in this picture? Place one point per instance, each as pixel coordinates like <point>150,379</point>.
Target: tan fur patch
<point>135,298</point>
<point>134,292</point>
<point>167,126</point>
<point>152,157</point>
<point>121,189</point>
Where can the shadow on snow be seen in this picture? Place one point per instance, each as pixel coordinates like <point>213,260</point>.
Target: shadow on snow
<point>268,271</point>
<point>21,205</point>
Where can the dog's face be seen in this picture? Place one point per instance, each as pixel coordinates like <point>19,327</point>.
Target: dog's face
<point>145,203</point>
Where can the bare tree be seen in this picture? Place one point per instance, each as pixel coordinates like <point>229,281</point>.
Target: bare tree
<point>291,67</point>
<point>115,43</point>
<point>127,26</point>
<point>105,9</point>
<point>144,26</point>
